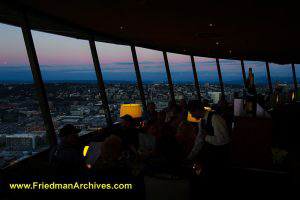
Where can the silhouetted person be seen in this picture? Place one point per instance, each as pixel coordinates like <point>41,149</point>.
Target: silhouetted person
<point>128,133</point>
<point>66,157</point>
<point>183,109</point>
<point>211,144</point>
<point>151,113</point>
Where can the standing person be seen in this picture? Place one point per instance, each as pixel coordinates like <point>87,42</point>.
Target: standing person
<point>212,142</point>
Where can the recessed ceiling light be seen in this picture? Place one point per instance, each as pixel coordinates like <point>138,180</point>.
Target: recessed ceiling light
<point>210,25</point>
<point>217,43</point>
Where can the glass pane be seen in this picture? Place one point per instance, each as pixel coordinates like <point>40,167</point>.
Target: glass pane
<point>297,69</point>
<point>282,80</point>
<point>70,81</point>
<point>119,76</point>
<point>260,75</point>
<point>22,129</point>
<point>232,78</point>
<point>182,76</point>
<point>208,79</point>
<point>154,76</point>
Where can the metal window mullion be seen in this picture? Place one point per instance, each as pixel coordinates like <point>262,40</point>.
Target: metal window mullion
<point>169,76</point>
<point>220,78</point>
<point>100,81</point>
<point>269,77</point>
<point>138,77</point>
<point>243,72</point>
<point>295,79</point>
<point>196,77</point>
<point>38,81</point>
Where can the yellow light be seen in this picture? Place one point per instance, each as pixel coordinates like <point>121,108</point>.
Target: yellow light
<point>208,108</point>
<point>192,119</point>
<point>277,98</point>
<point>134,110</point>
<point>293,96</point>
<point>85,150</point>
<point>89,166</point>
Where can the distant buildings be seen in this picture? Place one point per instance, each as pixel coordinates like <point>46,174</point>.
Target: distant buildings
<point>24,142</point>
<point>215,96</point>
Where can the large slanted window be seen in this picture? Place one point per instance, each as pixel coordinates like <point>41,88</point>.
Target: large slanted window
<point>70,81</point>
<point>297,69</point>
<point>119,76</point>
<point>282,80</point>
<point>232,78</point>
<point>22,129</point>
<point>260,75</point>
<point>154,76</point>
<point>182,76</point>
<point>208,79</point>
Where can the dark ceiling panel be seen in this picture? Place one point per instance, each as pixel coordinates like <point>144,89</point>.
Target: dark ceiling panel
<point>246,29</point>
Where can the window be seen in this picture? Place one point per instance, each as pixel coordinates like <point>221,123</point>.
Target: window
<point>119,76</point>
<point>154,77</point>
<point>182,76</point>
<point>208,79</point>
<point>232,78</point>
<point>282,79</point>
<point>22,129</point>
<point>260,75</point>
<point>70,81</point>
<point>297,69</point>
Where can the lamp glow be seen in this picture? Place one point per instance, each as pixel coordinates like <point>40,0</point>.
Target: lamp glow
<point>134,110</point>
<point>85,150</point>
<point>190,118</point>
<point>293,96</point>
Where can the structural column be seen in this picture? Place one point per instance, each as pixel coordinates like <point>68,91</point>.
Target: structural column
<point>243,71</point>
<point>220,78</point>
<point>269,77</point>
<point>138,77</point>
<point>295,80</point>
<point>169,76</point>
<point>100,81</point>
<point>38,81</point>
<point>196,78</point>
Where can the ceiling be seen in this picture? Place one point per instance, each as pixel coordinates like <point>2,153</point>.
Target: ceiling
<point>232,29</point>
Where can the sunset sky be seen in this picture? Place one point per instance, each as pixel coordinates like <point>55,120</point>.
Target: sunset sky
<point>64,58</point>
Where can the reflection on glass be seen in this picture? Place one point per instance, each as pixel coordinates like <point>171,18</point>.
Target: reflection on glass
<point>260,76</point>
<point>282,80</point>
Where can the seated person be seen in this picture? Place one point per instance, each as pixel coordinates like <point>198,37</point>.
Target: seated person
<point>67,158</point>
<point>111,162</point>
<point>213,137</point>
<point>128,133</point>
<point>151,113</point>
